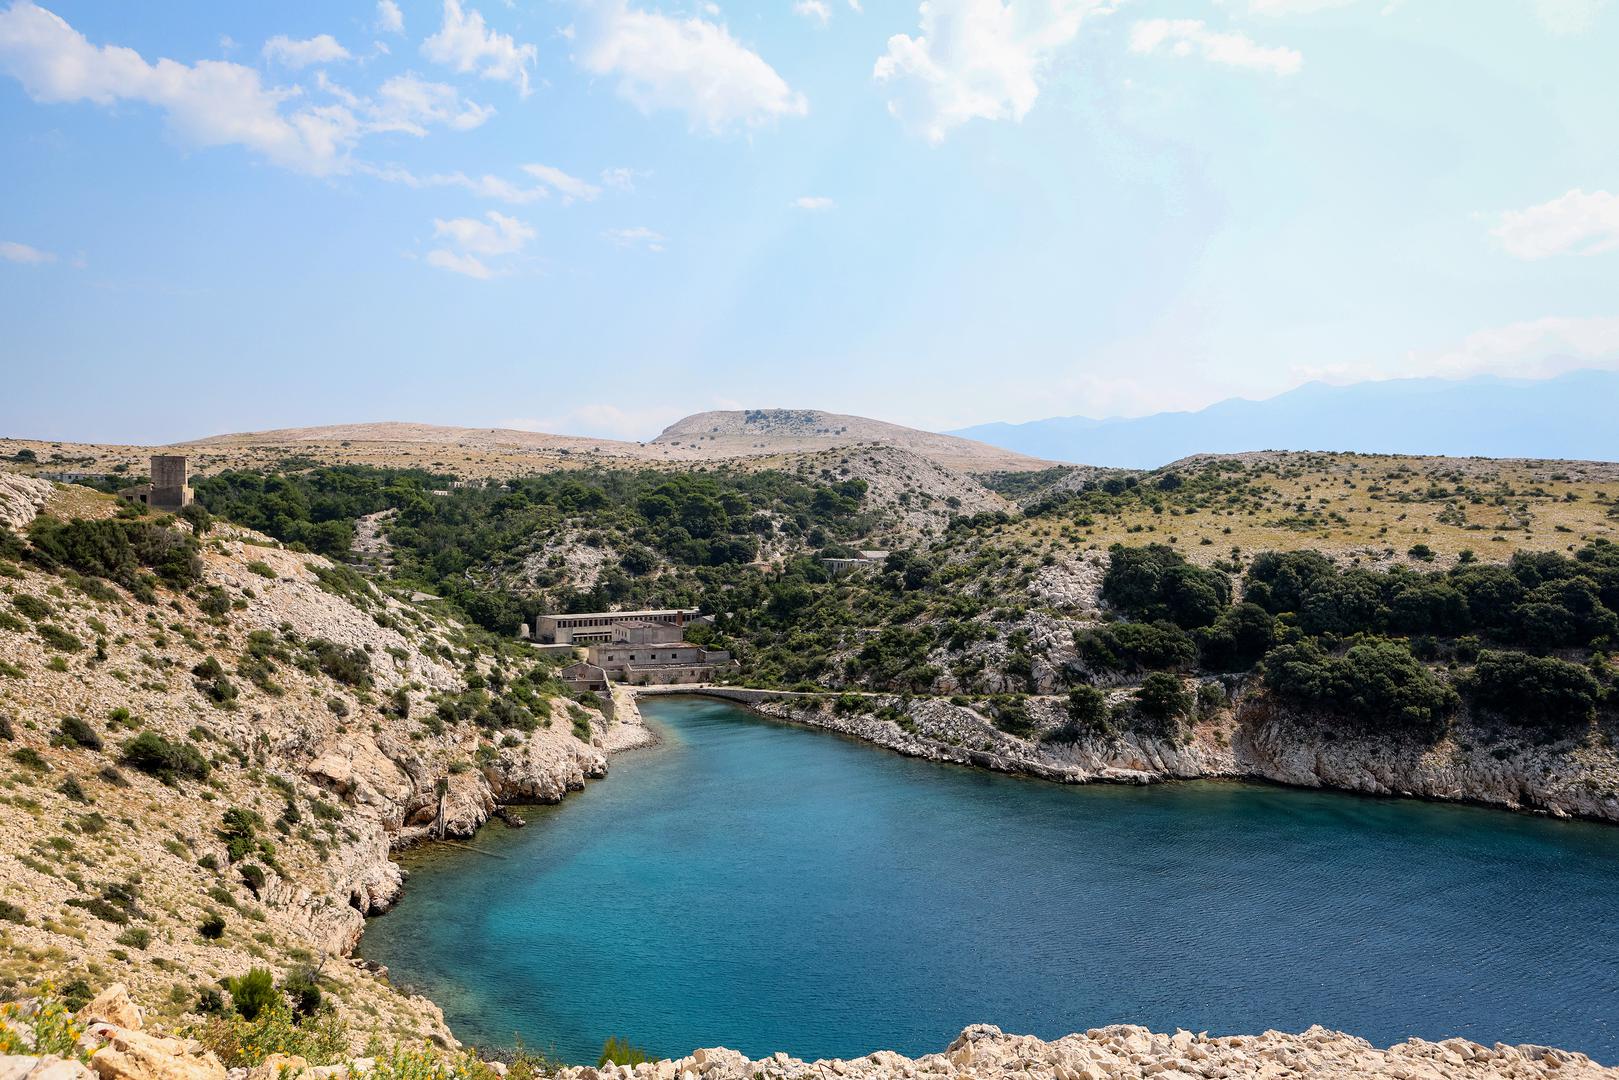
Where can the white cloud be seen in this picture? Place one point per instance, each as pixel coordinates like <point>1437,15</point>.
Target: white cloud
<point>1532,349</point>
<point>638,236</point>
<point>459,264</point>
<point>685,63</point>
<point>499,235</point>
<point>1185,37</point>
<point>813,9</point>
<point>569,187</point>
<point>1569,16</point>
<point>390,20</point>
<point>476,241</point>
<point>465,43</point>
<point>977,59</point>
<point>620,179</point>
<point>288,52</point>
<point>813,202</point>
<point>12,251</point>
<point>1294,7</point>
<point>1576,223</point>
<point>409,104</point>
<point>209,103</point>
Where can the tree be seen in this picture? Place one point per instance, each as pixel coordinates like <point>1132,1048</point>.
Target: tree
<point>1374,686</point>
<point>1163,698</point>
<point>1533,691</point>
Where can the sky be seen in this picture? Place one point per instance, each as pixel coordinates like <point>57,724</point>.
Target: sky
<point>597,216</point>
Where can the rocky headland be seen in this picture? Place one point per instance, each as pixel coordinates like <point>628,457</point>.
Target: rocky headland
<point>1244,740</point>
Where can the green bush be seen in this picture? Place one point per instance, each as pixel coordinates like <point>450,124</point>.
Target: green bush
<point>213,927</point>
<point>1533,691</point>
<point>251,993</point>
<point>616,1051</point>
<point>72,732</point>
<point>1375,686</point>
<point>1156,582</point>
<point>1134,646</point>
<point>156,756</point>
<point>1163,698</point>
<point>56,638</point>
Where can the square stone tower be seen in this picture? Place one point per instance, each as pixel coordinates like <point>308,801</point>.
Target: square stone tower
<point>171,489</point>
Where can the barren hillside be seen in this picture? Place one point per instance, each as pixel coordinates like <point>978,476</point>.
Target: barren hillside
<point>208,759</point>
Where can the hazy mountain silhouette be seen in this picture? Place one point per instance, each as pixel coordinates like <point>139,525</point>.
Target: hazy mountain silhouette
<point>1575,415</point>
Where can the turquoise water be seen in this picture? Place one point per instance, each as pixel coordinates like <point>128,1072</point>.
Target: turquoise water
<point>769,888</point>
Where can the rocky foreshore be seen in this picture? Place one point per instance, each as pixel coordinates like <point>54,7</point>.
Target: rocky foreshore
<point>1248,741</point>
<point>984,1052</point>
<point>115,1045</point>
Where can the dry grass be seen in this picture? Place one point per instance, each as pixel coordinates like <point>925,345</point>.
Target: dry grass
<point>1371,508</point>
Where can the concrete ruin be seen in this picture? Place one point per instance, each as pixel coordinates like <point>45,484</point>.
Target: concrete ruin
<point>170,489</point>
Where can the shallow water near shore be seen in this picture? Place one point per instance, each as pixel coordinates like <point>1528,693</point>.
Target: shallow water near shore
<point>764,887</point>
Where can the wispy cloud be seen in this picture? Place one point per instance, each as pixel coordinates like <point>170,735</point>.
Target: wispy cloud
<point>309,129</point>
<point>813,9</point>
<point>569,187</point>
<point>977,60</point>
<point>471,243</point>
<point>690,64</point>
<point>637,236</point>
<point>1193,37</point>
<point>465,42</point>
<point>813,202</point>
<point>293,53</point>
<point>1575,223</point>
<point>390,20</point>
<point>12,251</point>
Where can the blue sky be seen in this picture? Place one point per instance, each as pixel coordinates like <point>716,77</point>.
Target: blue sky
<point>596,216</point>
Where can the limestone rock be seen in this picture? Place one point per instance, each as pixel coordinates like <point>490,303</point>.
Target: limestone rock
<point>135,1055</point>
<point>49,1067</point>
<point>113,1006</point>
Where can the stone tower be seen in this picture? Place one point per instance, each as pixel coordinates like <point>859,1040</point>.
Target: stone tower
<point>170,489</point>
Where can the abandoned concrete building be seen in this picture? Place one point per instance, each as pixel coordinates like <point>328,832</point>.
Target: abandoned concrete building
<point>170,489</point>
<point>584,676</point>
<point>658,664</point>
<point>863,560</point>
<point>585,627</point>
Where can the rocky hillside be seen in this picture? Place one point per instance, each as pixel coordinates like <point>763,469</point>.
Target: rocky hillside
<point>206,760</point>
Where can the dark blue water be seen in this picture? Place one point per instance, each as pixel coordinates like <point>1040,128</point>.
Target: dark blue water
<point>768,888</point>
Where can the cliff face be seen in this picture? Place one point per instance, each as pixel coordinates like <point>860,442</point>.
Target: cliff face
<point>319,728</point>
<point>1247,741</point>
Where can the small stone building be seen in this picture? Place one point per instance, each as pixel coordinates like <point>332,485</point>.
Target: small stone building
<point>170,489</point>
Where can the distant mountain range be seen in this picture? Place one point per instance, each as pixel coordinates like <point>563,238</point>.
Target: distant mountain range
<point>1572,416</point>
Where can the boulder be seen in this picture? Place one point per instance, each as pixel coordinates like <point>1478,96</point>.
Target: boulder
<point>49,1067</point>
<point>113,1006</point>
<point>135,1055</point>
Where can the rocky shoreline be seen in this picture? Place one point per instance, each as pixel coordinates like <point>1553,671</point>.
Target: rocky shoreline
<point>1121,1052</point>
<point>116,1045</point>
<point>1248,742</point>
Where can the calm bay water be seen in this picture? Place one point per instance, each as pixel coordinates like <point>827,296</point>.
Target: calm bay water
<point>768,888</point>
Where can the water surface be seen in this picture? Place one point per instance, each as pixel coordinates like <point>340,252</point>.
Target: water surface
<point>765,887</point>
